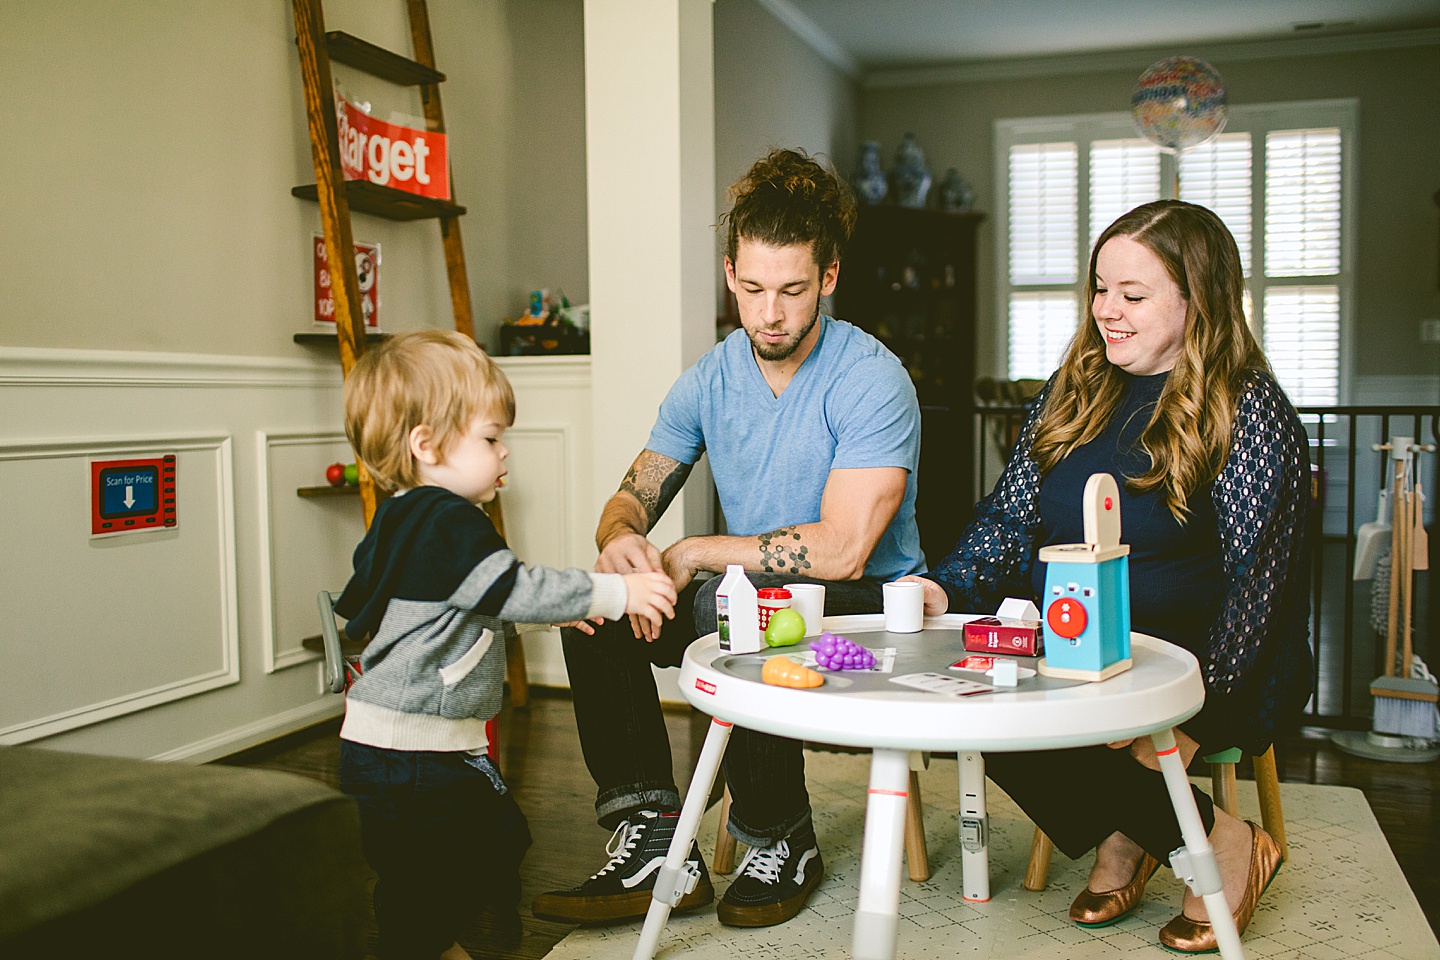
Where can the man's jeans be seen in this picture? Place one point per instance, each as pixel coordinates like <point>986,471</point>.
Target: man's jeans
<point>622,730</point>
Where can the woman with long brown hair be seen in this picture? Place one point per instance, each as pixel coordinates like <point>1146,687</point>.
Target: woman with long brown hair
<point>1166,389</point>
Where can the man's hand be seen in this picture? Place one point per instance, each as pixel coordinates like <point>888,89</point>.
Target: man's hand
<point>629,553</point>
<point>632,553</point>
<point>584,626</point>
<point>1143,749</point>
<point>936,600</point>
<point>678,563</point>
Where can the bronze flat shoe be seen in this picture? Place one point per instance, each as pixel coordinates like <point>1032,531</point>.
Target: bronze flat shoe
<point>1184,935</point>
<point>1092,909</point>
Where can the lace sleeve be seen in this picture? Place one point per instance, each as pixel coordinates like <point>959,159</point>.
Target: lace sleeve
<point>1261,499</point>
<point>992,559</point>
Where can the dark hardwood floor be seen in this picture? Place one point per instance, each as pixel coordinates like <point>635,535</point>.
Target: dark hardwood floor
<point>540,756</point>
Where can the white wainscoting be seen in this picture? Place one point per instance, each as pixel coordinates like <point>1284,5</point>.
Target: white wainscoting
<point>305,543</point>
<point>180,644</point>
<point>549,513</point>
<point>78,610</point>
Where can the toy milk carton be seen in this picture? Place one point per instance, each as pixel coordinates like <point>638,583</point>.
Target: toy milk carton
<point>737,612</point>
<point>1087,593</point>
<point>1014,631</point>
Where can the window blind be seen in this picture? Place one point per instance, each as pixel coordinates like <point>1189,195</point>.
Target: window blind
<point>1217,175</point>
<point>1041,327</point>
<point>1302,340</point>
<point>1123,175</point>
<point>1043,213</point>
<point>1302,203</point>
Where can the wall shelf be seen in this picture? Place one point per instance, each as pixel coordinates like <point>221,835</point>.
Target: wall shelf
<point>330,339</point>
<point>327,491</point>
<point>377,61</point>
<point>367,197</point>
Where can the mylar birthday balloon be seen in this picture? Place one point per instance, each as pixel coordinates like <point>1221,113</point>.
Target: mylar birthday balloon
<point>1178,103</point>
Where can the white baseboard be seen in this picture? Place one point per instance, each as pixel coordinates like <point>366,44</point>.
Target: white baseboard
<point>254,734</point>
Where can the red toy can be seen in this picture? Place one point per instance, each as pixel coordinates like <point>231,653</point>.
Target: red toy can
<point>770,599</point>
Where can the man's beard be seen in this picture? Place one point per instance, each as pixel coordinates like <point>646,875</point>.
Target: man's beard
<point>776,352</point>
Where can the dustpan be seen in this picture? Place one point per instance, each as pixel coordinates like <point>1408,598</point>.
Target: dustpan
<point>1371,540</point>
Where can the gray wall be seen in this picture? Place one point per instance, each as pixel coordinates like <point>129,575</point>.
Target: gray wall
<point>151,209</point>
<point>1398,165</point>
<point>771,90</point>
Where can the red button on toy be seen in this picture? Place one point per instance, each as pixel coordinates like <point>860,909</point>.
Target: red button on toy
<point>1066,617</point>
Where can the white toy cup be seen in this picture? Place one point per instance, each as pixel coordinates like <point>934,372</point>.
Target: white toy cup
<point>808,599</point>
<point>904,607</point>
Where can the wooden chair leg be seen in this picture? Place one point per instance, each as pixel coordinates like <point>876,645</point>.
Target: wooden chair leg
<point>1222,783</point>
<point>917,856</point>
<point>724,859</point>
<point>515,672</point>
<point>1037,872</point>
<point>1267,785</point>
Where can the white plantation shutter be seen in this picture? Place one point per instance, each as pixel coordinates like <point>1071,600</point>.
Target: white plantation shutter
<point>1043,213</point>
<point>1041,327</point>
<point>1302,341</point>
<point>1302,208</point>
<point>1217,175</point>
<point>1123,175</point>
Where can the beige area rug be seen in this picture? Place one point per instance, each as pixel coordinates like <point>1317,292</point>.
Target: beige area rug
<point>1340,895</point>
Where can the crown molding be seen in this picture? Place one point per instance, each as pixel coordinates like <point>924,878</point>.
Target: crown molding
<point>1141,57</point>
<point>813,37</point>
<point>34,366</point>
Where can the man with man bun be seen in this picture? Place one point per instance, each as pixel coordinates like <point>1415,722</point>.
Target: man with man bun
<point>813,432</point>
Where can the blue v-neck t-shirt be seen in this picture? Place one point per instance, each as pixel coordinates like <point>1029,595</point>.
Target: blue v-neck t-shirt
<point>851,405</point>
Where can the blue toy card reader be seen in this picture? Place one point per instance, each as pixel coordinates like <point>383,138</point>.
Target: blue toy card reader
<point>1085,612</point>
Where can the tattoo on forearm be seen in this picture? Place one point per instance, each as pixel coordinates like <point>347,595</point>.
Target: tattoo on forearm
<point>654,480</point>
<point>782,552</point>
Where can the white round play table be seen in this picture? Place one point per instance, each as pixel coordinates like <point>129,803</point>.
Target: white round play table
<point>857,709</point>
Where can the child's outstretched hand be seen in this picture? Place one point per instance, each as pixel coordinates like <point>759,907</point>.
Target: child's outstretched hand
<point>650,595</point>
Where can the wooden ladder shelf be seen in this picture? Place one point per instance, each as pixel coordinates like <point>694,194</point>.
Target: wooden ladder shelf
<point>337,197</point>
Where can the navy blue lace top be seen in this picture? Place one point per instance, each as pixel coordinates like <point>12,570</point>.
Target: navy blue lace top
<point>1231,585</point>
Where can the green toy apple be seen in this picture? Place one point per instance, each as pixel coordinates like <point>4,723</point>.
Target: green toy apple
<point>352,475</point>
<point>786,628</point>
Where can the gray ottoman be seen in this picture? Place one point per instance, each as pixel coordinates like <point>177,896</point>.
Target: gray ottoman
<point>113,857</point>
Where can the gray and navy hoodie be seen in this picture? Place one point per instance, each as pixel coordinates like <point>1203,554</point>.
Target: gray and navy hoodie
<point>433,581</point>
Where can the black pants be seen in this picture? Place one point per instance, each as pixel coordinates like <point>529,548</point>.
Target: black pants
<point>1082,795</point>
<point>443,838</point>
<point>622,730</point>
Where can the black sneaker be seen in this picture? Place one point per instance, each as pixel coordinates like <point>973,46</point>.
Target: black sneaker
<point>773,882</point>
<point>621,890</point>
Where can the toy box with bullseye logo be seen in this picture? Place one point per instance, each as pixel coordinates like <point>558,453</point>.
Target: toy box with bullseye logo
<point>1014,631</point>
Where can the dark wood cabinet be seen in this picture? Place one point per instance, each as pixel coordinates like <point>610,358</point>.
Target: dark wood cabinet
<point>908,278</point>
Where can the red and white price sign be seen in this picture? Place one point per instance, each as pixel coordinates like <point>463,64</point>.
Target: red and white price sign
<point>367,271</point>
<point>401,158</point>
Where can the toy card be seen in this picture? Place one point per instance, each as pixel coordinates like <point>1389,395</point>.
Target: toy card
<point>884,662</point>
<point>940,683</point>
<point>986,665</point>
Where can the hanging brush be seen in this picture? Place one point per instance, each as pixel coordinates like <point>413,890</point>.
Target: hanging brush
<point>1404,704</point>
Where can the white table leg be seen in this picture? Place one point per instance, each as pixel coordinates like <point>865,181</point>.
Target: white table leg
<point>1204,873</point>
<point>670,883</point>
<point>877,915</point>
<point>974,830</point>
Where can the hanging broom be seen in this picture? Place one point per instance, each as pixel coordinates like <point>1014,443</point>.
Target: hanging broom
<point>1404,704</point>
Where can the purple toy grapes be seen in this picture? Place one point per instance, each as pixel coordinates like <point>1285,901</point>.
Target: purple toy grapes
<point>834,652</point>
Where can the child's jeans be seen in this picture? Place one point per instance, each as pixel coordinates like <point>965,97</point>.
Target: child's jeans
<point>445,836</point>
